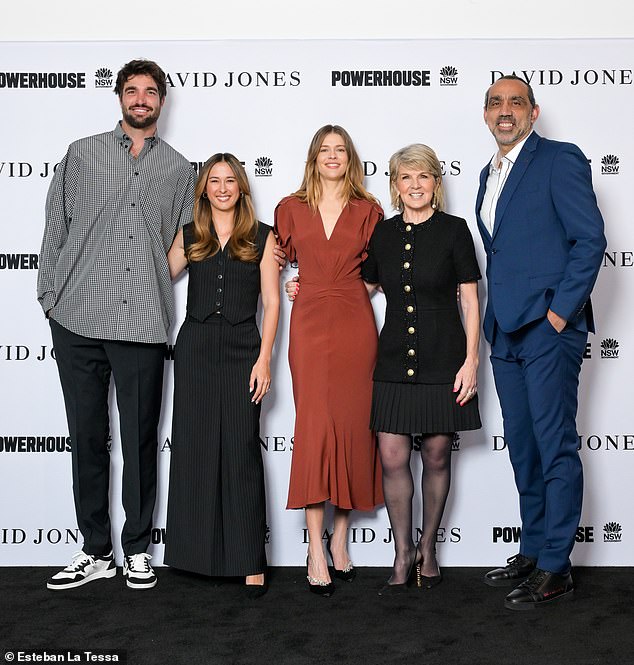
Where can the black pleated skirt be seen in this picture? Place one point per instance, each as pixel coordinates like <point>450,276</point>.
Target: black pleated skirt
<point>216,513</point>
<point>405,408</point>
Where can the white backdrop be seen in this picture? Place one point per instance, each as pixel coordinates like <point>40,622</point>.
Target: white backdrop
<point>265,100</point>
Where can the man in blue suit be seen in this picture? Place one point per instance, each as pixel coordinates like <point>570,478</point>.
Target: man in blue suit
<point>543,236</point>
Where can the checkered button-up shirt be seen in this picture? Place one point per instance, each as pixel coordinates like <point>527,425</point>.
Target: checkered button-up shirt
<point>110,219</point>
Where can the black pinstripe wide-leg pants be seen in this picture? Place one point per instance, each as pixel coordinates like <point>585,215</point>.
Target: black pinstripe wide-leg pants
<point>216,517</point>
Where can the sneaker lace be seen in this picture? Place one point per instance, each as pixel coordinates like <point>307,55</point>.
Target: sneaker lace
<point>535,579</point>
<point>139,562</point>
<point>80,561</point>
<point>516,560</point>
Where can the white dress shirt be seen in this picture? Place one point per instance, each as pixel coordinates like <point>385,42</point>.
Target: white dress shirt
<point>499,170</point>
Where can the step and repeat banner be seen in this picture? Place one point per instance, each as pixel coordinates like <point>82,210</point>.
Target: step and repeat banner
<point>263,100</point>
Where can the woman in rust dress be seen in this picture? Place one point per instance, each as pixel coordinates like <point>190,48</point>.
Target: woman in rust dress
<point>326,226</point>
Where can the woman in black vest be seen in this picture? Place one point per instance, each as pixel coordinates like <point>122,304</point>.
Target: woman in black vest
<point>216,517</point>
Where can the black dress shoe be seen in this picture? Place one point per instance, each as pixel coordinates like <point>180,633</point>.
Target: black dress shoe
<point>518,569</point>
<point>319,587</point>
<point>413,575</point>
<point>427,582</point>
<point>540,589</point>
<point>346,574</point>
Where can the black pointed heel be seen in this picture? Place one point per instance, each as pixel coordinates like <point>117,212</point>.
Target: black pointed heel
<point>413,575</point>
<point>319,587</point>
<point>348,573</point>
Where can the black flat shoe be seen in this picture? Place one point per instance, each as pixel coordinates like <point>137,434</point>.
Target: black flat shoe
<point>518,568</point>
<point>347,574</point>
<point>540,590</point>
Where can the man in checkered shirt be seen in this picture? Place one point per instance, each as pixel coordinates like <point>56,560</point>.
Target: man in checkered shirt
<point>113,208</point>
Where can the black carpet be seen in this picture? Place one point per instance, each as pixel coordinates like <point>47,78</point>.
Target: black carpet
<point>186,619</point>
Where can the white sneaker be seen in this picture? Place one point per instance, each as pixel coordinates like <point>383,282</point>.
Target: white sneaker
<point>138,572</point>
<point>84,568</point>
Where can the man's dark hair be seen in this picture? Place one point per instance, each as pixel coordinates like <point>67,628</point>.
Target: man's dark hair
<point>141,67</point>
<point>512,77</point>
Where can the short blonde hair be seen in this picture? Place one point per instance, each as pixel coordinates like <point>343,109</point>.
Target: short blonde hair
<point>417,156</point>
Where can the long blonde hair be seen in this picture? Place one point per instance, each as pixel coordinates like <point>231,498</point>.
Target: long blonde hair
<point>241,245</point>
<point>310,190</point>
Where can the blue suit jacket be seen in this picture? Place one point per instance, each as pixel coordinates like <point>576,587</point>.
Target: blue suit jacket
<point>547,243</point>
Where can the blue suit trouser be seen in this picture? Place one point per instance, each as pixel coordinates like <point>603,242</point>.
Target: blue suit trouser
<point>536,374</point>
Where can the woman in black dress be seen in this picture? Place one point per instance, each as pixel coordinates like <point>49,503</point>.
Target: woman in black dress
<point>425,376</point>
<point>216,515</point>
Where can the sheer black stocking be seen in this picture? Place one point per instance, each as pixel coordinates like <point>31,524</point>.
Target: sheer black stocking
<point>435,451</point>
<point>398,489</point>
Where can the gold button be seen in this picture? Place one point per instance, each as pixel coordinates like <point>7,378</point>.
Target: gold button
<point>411,352</point>
<point>410,372</point>
<point>410,309</point>
<point>406,265</point>
<point>411,330</point>
<point>407,288</point>
<point>408,227</point>
<point>408,246</point>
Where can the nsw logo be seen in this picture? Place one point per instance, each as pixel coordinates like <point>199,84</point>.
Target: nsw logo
<point>449,76</point>
<point>609,348</point>
<point>103,78</point>
<point>612,532</point>
<point>264,167</point>
<point>610,165</point>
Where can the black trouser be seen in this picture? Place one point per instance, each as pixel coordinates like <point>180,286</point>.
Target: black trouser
<point>85,366</point>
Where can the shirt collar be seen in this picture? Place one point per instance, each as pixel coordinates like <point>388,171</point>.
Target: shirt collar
<point>126,141</point>
<point>510,156</point>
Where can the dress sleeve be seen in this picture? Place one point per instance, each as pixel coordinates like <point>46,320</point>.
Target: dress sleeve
<point>464,256</point>
<point>283,228</point>
<point>374,217</point>
<point>370,265</point>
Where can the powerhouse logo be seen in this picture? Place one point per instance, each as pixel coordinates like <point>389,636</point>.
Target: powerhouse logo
<point>396,78</point>
<point>158,535</point>
<point>47,80</point>
<point>612,533</point>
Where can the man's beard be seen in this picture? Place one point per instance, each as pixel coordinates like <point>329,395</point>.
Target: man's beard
<point>141,122</point>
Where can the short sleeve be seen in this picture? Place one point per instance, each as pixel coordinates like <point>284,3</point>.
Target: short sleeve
<point>283,228</point>
<point>465,261</point>
<point>370,265</point>
<point>188,235</point>
<point>374,217</point>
